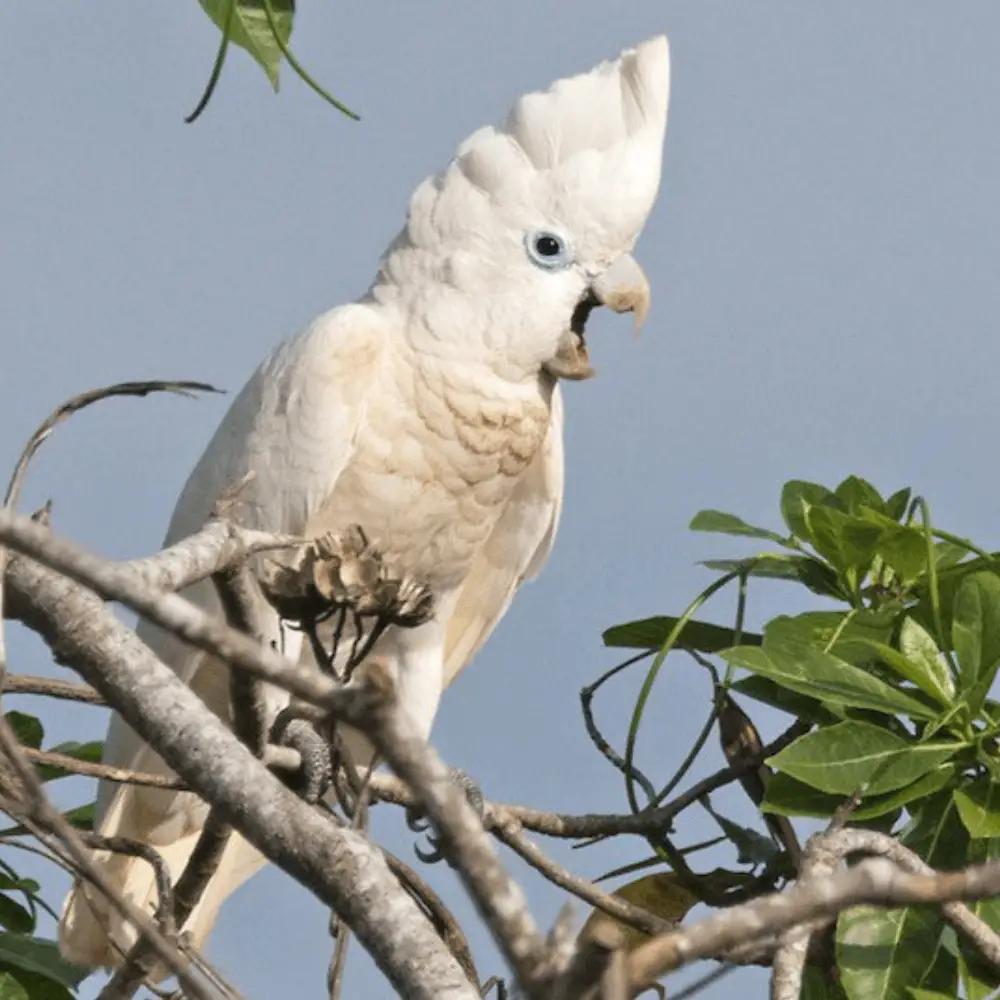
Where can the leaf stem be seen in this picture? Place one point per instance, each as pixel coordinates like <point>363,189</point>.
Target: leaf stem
<point>220,58</point>
<point>300,69</point>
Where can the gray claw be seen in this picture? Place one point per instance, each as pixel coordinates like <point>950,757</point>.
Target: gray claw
<point>417,822</point>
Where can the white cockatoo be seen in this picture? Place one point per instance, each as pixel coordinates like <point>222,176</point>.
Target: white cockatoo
<point>428,412</point>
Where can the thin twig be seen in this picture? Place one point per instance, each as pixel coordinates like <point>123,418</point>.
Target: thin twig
<point>597,738</point>
<point>45,429</point>
<point>510,834</point>
<point>573,826</point>
<point>50,687</point>
<point>91,769</point>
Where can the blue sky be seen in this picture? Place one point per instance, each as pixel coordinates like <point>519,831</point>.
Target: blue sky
<point>822,260</point>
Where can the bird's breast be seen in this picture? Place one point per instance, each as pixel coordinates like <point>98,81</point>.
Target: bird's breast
<point>435,461</point>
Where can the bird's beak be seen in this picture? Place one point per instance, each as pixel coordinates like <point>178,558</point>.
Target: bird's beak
<point>621,287</point>
<point>624,287</point>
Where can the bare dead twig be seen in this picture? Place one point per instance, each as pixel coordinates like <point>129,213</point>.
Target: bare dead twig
<point>90,769</point>
<point>597,737</point>
<point>648,822</point>
<point>597,959</point>
<point>509,833</point>
<point>818,861</point>
<point>50,687</point>
<point>45,429</point>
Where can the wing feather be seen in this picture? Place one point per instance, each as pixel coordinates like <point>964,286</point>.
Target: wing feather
<point>515,551</point>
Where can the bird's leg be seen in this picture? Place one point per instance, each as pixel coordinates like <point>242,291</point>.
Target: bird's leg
<point>417,655</point>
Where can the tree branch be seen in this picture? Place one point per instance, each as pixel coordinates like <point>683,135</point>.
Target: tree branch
<point>497,897</point>
<point>877,882</point>
<point>340,866</point>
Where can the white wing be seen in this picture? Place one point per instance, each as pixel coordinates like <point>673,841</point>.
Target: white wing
<point>515,551</point>
<point>292,426</point>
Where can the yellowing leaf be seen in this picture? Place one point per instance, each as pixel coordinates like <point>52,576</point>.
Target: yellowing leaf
<point>661,894</point>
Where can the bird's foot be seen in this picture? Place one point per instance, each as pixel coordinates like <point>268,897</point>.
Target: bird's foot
<point>419,823</point>
<point>315,774</point>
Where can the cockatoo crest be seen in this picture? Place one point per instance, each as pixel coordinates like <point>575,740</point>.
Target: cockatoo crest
<point>580,162</point>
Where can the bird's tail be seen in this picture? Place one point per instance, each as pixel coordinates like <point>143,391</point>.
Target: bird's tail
<point>93,932</point>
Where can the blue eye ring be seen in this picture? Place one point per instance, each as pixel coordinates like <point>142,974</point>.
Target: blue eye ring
<point>548,249</point>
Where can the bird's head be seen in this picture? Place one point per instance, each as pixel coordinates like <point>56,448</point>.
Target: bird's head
<point>533,223</point>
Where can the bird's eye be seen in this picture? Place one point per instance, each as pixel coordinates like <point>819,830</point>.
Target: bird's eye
<point>547,249</point>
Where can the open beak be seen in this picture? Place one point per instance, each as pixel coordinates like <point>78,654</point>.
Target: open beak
<point>623,288</point>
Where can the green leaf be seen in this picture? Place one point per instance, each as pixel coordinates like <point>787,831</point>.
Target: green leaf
<point>841,758</point>
<point>81,817</point>
<point>34,985</point>
<point>948,555</point>
<point>978,976</point>
<point>855,493</point>
<point>846,542</point>
<point>27,728</point>
<point>14,917</point>
<point>721,523</point>
<point>810,572</point>
<point>652,633</point>
<point>816,985</point>
<point>978,804</point>
<point>787,796</point>
<point>820,628</point>
<point>976,635</point>
<point>918,994</point>
<point>250,30</point>
<point>903,550</point>
<point>90,752</point>
<point>881,953</point>
<point>942,976</point>
<point>936,833</point>
<point>10,988</point>
<point>796,496</point>
<point>25,885</point>
<point>752,847</point>
<point>896,505</point>
<point>931,674</point>
<point>950,581</point>
<point>41,956</point>
<point>827,678</point>
<point>802,707</point>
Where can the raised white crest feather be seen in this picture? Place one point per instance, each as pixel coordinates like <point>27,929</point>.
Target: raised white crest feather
<point>589,147</point>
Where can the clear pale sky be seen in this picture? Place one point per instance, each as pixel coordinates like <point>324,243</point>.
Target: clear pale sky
<point>823,260</point>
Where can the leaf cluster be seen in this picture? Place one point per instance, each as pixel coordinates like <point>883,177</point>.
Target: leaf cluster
<point>894,676</point>
<point>30,965</point>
